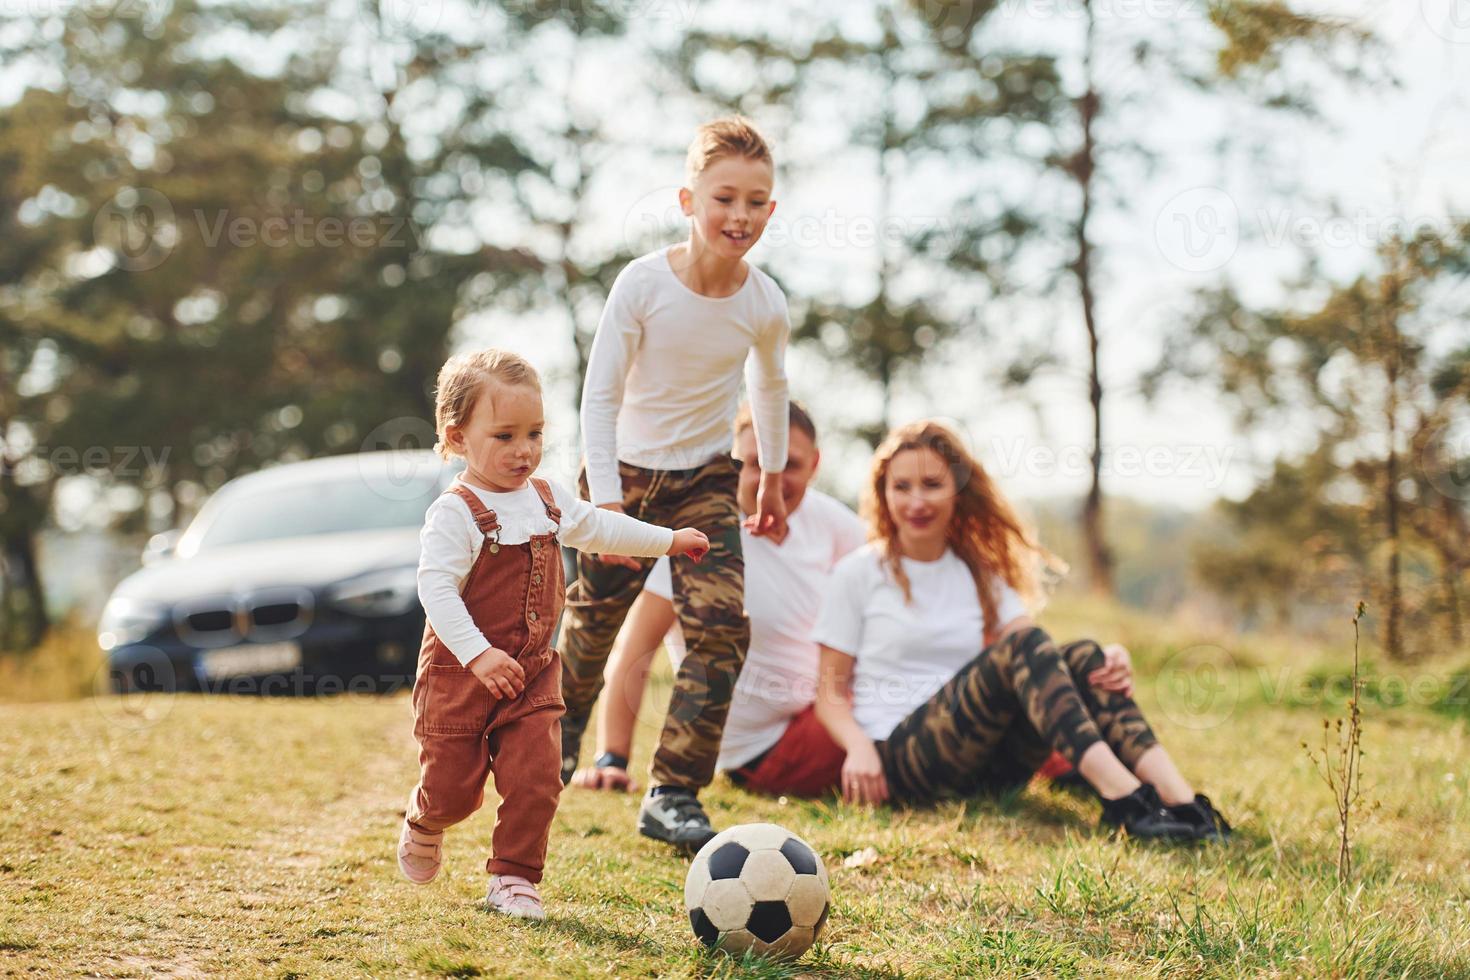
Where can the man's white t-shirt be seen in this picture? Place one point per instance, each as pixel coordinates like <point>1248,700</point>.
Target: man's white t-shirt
<point>663,377</point>
<point>904,652</point>
<point>783,592</point>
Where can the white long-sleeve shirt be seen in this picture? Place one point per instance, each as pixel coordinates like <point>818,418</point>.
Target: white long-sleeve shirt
<point>663,378</point>
<point>450,542</point>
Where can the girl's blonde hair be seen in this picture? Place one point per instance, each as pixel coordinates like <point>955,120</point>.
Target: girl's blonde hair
<point>462,380</point>
<point>985,531</point>
<point>732,136</point>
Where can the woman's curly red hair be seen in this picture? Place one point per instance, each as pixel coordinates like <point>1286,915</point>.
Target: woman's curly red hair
<point>985,531</point>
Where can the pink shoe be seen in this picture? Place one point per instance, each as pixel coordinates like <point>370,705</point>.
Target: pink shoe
<point>515,897</point>
<point>418,854</point>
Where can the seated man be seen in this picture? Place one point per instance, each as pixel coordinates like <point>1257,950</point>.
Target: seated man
<point>784,582</point>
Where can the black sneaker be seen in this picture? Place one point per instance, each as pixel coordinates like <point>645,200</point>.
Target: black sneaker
<point>1201,815</point>
<point>1143,815</point>
<point>571,745</point>
<point>675,816</point>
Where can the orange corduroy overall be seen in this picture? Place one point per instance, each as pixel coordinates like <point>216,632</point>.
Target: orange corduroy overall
<point>514,594</point>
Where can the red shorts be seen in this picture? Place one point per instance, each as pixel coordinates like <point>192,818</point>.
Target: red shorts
<point>805,762</point>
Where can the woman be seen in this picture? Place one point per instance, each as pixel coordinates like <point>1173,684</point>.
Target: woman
<point>918,713</point>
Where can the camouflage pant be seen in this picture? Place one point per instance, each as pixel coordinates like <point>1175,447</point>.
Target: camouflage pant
<point>709,600</point>
<point>994,723</point>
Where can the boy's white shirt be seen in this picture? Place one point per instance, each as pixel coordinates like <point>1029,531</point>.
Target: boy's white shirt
<point>663,377</point>
<point>450,542</point>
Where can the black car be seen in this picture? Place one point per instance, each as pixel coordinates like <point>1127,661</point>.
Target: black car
<point>297,579</point>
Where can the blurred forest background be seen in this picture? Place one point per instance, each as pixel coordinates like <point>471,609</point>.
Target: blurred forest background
<point>234,234</point>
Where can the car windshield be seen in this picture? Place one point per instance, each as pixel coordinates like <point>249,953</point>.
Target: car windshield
<point>321,507</point>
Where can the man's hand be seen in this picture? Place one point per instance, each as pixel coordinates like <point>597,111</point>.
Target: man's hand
<point>623,560</point>
<point>689,541</point>
<point>1116,673</point>
<point>499,672</point>
<point>608,777</point>
<point>770,509</point>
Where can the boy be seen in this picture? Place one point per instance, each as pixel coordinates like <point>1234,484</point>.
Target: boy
<point>662,386</point>
<point>770,728</point>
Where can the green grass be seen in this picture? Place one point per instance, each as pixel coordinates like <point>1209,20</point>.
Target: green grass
<point>199,836</point>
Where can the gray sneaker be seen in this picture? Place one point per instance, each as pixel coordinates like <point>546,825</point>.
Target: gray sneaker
<point>571,745</point>
<point>676,817</point>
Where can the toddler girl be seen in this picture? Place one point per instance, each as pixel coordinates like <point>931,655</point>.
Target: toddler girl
<point>487,698</point>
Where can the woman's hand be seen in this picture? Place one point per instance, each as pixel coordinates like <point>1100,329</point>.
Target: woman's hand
<point>689,541</point>
<point>500,673</point>
<point>862,775</point>
<point>1116,673</point>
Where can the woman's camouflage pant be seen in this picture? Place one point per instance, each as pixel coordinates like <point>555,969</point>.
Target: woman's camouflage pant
<point>995,722</point>
<point>709,600</point>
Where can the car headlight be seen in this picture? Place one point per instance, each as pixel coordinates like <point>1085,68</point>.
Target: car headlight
<point>126,620</point>
<point>390,592</point>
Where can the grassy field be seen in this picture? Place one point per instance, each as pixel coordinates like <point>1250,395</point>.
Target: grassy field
<point>201,836</point>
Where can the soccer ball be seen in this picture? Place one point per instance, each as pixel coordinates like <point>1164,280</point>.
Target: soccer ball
<point>757,887</point>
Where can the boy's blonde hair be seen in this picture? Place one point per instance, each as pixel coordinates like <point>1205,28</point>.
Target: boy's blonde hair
<point>732,136</point>
<point>462,380</point>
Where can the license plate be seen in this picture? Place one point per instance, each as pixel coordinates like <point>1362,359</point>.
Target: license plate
<point>252,659</point>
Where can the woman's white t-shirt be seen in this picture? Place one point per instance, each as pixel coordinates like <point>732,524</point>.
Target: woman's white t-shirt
<point>783,591</point>
<point>904,652</point>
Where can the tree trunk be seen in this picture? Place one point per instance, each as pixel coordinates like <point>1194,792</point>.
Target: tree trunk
<point>23,619</point>
<point>1392,633</point>
<point>1100,556</point>
<point>25,600</point>
<point>881,331</point>
<point>1451,597</point>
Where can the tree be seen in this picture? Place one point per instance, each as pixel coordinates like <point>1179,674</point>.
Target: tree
<point>1240,47</point>
<point>223,261</point>
<point>1374,372</point>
